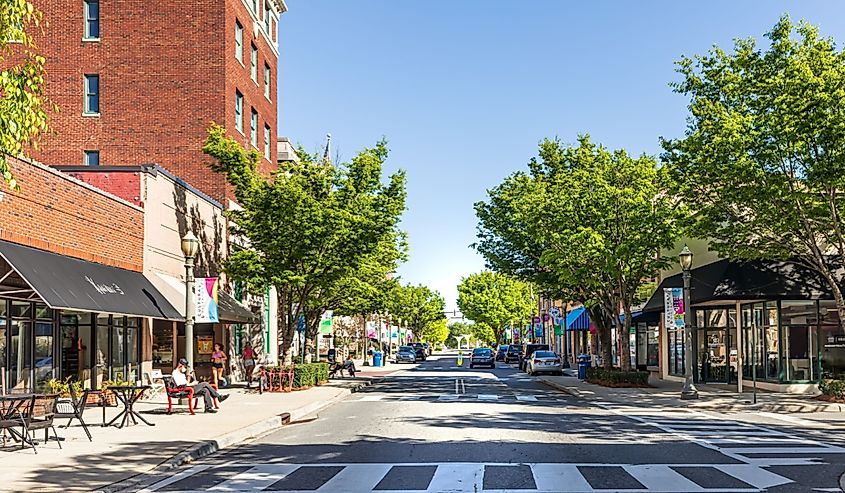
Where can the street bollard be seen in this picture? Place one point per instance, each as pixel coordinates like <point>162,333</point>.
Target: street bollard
<point>460,358</point>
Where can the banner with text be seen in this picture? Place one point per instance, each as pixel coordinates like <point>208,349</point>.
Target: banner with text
<point>673,307</point>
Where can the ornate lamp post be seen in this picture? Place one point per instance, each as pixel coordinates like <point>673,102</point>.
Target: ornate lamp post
<point>190,245</point>
<point>689,391</point>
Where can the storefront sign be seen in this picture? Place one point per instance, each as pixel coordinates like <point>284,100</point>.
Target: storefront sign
<point>673,307</point>
<point>538,330</point>
<point>326,322</point>
<point>205,300</point>
<point>205,345</point>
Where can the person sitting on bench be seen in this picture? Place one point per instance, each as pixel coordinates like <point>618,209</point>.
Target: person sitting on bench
<point>180,379</point>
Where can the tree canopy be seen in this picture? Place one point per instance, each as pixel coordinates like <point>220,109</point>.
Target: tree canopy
<point>324,235</point>
<point>23,106</point>
<point>419,307</point>
<point>761,163</point>
<point>493,300</point>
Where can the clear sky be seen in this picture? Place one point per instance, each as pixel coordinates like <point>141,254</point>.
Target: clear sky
<point>465,89</point>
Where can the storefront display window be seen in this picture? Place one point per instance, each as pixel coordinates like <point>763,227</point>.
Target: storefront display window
<point>831,342</point>
<point>716,345</point>
<point>676,351</point>
<point>799,321</point>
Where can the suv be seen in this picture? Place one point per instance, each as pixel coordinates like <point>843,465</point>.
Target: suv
<point>420,349</point>
<point>514,353</point>
<point>529,351</point>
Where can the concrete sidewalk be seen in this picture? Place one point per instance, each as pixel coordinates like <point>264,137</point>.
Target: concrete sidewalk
<point>119,455</point>
<point>667,393</point>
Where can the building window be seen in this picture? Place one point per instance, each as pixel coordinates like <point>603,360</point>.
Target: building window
<point>92,19</point>
<point>239,111</point>
<point>253,63</point>
<point>267,81</point>
<point>92,94</point>
<point>267,142</point>
<point>92,158</point>
<point>267,18</point>
<point>255,6</point>
<point>239,41</point>
<point>253,127</point>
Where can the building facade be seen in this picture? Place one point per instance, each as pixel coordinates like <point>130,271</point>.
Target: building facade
<point>140,82</point>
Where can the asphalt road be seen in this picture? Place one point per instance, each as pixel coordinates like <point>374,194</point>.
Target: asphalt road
<point>443,428</point>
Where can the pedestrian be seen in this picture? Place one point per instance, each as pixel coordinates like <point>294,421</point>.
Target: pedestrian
<point>208,393</point>
<point>218,360</point>
<point>248,357</point>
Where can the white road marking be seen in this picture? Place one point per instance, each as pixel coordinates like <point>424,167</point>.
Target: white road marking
<point>256,478</point>
<point>662,478</point>
<point>488,397</point>
<point>550,477</point>
<point>529,398</point>
<point>454,478</point>
<point>448,397</point>
<point>370,398</point>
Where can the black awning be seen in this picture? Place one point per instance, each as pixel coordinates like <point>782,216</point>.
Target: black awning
<point>727,280</point>
<point>232,311</point>
<point>72,284</point>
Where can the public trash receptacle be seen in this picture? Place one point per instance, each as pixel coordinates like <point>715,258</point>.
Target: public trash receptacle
<point>377,359</point>
<point>583,364</point>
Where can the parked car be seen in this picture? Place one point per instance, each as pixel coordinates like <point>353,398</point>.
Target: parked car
<point>514,353</point>
<point>406,354</point>
<point>420,349</point>
<point>482,356</point>
<point>543,362</point>
<point>501,351</point>
<point>528,351</point>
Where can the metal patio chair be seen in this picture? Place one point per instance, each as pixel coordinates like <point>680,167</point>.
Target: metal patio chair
<point>42,416</point>
<point>72,409</point>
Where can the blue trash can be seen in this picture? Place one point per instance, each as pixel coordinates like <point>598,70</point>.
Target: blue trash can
<point>377,361</point>
<point>583,364</point>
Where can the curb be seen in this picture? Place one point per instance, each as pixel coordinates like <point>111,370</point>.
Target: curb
<point>207,447</point>
<point>788,407</point>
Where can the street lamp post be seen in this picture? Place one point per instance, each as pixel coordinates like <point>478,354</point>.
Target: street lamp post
<point>190,244</point>
<point>689,391</point>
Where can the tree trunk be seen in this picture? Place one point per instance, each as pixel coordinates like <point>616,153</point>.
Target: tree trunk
<point>624,336</point>
<point>598,318</point>
<point>286,325</point>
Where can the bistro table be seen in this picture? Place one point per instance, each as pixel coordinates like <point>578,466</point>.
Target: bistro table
<point>15,410</point>
<point>127,395</point>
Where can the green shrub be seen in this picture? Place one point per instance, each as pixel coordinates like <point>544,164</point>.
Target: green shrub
<point>602,376</point>
<point>834,388</point>
<point>62,387</point>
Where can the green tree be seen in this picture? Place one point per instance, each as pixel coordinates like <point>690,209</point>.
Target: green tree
<point>761,162</point>
<point>484,334</point>
<point>314,229</point>
<point>597,220</point>
<point>457,329</point>
<point>23,106</point>
<point>436,332</point>
<point>493,300</point>
<point>418,306</point>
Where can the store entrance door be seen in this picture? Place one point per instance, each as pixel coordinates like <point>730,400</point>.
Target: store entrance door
<point>716,355</point>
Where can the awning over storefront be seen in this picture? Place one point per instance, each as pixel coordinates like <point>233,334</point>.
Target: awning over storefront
<point>727,280</point>
<point>230,310</point>
<point>578,319</point>
<point>72,284</point>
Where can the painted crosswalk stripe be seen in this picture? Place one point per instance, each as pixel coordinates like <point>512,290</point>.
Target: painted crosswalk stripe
<point>488,397</point>
<point>448,397</point>
<point>370,398</point>
<point>526,398</point>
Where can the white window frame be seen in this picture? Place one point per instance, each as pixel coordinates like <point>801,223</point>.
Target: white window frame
<point>253,62</point>
<point>239,111</point>
<point>253,127</point>
<point>239,41</point>
<point>86,78</point>
<point>85,19</point>
<point>267,81</point>
<point>90,152</point>
<point>267,142</point>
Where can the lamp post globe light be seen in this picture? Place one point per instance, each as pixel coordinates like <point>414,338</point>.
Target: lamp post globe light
<point>190,245</point>
<point>689,391</point>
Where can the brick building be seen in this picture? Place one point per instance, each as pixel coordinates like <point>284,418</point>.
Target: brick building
<point>139,81</point>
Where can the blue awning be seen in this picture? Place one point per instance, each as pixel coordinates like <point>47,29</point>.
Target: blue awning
<point>578,319</point>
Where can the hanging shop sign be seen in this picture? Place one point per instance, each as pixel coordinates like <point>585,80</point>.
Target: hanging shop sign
<point>673,307</point>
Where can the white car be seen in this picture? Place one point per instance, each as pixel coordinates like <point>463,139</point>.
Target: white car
<point>544,362</point>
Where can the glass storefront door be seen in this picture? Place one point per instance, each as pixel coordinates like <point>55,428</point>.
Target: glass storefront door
<point>715,345</point>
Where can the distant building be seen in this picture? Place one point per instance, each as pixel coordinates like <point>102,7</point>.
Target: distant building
<point>286,151</point>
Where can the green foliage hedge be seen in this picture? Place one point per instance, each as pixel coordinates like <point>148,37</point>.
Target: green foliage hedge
<point>309,374</point>
<point>834,388</point>
<point>619,378</point>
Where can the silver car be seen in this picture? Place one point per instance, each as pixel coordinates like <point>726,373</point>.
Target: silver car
<point>544,362</point>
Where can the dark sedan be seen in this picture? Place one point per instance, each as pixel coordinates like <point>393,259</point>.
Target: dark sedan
<point>514,353</point>
<point>420,349</point>
<point>482,357</point>
<point>406,354</point>
<point>501,351</point>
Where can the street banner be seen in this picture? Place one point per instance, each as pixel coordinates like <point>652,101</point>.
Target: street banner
<point>546,317</point>
<point>516,334</point>
<point>535,320</point>
<point>558,329</point>
<point>326,322</point>
<point>300,324</point>
<point>371,330</point>
<point>205,300</point>
<point>554,312</point>
<point>538,330</point>
<point>673,307</point>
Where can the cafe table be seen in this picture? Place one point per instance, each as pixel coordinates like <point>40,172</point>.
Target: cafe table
<point>128,395</point>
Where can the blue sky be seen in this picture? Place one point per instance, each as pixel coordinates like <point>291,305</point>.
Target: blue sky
<point>465,89</point>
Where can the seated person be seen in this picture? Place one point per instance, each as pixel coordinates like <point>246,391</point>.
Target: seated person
<point>180,379</point>
<point>349,365</point>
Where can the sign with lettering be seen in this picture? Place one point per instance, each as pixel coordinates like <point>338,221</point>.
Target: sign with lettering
<point>205,300</point>
<point>673,307</point>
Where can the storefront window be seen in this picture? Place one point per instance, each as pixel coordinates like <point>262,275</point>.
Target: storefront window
<point>20,355</point>
<point>799,321</point>
<point>76,346</point>
<point>100,359</point>
<point>43,354</point>
<point>753,354</point>
<point>653,346</point>
<point>831,342</point>
<point>676,351</point>
<point>133,349</point>
<point>21,309</point>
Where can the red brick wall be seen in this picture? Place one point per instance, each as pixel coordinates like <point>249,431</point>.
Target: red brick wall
<point>125,185</point>
<point>167,69</point>
<point>56,213</point>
